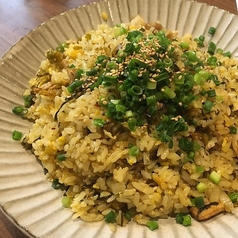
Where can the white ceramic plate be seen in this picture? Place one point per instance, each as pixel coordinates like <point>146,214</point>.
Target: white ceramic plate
<point>25,195</point>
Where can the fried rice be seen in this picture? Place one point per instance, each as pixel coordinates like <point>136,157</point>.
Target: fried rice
<point>93,163</point>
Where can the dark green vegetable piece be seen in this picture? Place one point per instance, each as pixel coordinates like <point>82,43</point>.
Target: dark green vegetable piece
<point>207,106</point>
<point>132,123</point>
<point>199,169</point>
<point>199,202</point>
<point>215,79</point>
<point>66,201</point>
<point>128,215</point>
<point>228,54</point>
<point>184,45</point>
<point>79,73</point>
<point>233,130</point>
<point>187,220</point>
<point>56,184</point>
<point>215,177</point>
<point>19,110</point>
<point>16,135</point>
<point>211,48</point>
<point>110,217</point>
<point>28,100</point>
<point>134,150</point>
<point>99,122</point>
<point>212,61</point>
<point>152,225</point>
<point>135,90</point>
<point>212,30</point>
<point>233,197</point>
<point>183,219</point>
<point>134,36</point>
<point>61,157</point>
<point>200,40</point>
<point>211,93</point>
<point>74,86</point>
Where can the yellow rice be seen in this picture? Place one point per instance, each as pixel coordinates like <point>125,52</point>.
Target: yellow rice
<point>99,172</point>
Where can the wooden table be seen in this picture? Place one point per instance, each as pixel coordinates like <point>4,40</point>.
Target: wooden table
<point>18,17</point>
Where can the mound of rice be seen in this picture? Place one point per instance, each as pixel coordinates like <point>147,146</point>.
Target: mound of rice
<point>97,170</point>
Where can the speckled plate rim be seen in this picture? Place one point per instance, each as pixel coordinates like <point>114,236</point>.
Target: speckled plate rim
<point>104,5</point>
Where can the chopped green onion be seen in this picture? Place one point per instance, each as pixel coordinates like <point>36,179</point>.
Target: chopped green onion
<point>16,135</point>
<point>227,54</point>
<point>211,93</point>
<point>233,130</point>
<point>187,220</point>
<point>19,110</point>
<point>179,218</point>
<point>129,114</point>
<point>101,59</point>
<point>75,85</point>
<point>185,144</point>
<point>184,45</point>
<point>151,85</point>
<point>110,217</point>
<point>61,157</point>
<point>132,124</point>
<point>72,66</point>
<point>200,41</point>
<point>191,155</point>
<point>211,48</point>
<point>183,219</point>
<point>168,62</point>
<point>112,65</point>
<point>162,77</point>
<point>207,106</point>
<point>212,30</point>
<point>219,51</point>
<point>97,83</point>
<point>201,187</point>
<point>128,216</point>
<point>56,184</point>
<point>199,202</point>
<point>91,72</point>
<point>151,100</point>
<point>110,79</point>
<point>214,78</point>
<point>99,122</point>
<point>199,169</point>
<point>103,102</point>
<point>205,74</point>
<point>134,150</point>
<point>152,225</point>
<point>199,79</point>
<point>120,108</point>
<point>212,61</point>
<point>119,30</point>
<point>79,73</point>
<point>135,90</point>
<point>66,201</point>
<point>203,92</point>
<point>196,146</point>
<point>27,100</point>
<point>134,36</point>
<point>233,197</point>
<point>168,92</point>
<point>215,177</point>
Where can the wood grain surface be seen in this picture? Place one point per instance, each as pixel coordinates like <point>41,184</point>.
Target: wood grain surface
<point>18,17</point>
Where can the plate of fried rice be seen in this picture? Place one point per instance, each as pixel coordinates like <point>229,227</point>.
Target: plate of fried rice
<point>119,119</point>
